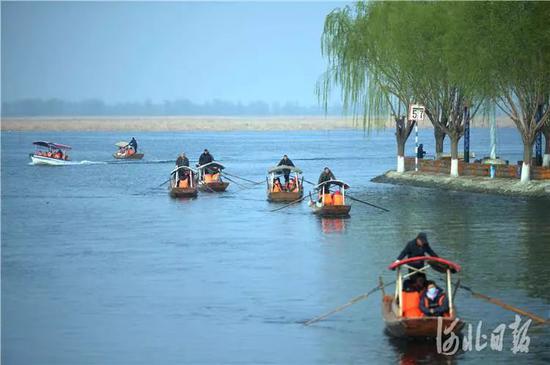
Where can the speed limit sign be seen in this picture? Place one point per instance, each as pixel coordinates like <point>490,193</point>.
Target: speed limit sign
<point>416,112</point>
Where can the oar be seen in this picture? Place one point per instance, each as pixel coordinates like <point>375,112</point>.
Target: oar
<point>163,183</point>
<point>242,178</point>
<point>348,304</point>
<point>309,182</point>
<point>506,306</point>
<point>367,203</point>
<point>291,203</point>
<point>242,186</point>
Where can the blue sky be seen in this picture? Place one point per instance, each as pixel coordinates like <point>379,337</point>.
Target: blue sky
<point>128,51</point>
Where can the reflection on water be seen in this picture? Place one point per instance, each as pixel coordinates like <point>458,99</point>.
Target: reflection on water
<point>415,352</point>
<point>333,225</point>
<point>101,266</point>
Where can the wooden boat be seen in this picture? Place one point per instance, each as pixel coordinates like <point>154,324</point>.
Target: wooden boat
<point>209,178</point>
<point>276,192</point>
<point>124,154</point>
<point>332,203</point>
<point>399,321</point>
<point>48,154</point>
<point>183,183</point>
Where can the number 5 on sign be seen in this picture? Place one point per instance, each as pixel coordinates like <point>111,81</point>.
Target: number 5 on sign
<point>416,112</point>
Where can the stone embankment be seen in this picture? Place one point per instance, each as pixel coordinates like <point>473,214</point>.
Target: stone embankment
<point>477,184</point>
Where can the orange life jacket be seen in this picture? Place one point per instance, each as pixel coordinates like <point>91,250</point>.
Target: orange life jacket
<point>327,198</point>
<point>184,183</point>
<point>411,304</point>
<point>337,198</point>
<point>277,188</point>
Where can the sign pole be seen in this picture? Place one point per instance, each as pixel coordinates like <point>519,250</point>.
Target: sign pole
<point>466,135</point>
<point>416,146</point>
<point>538,139</point>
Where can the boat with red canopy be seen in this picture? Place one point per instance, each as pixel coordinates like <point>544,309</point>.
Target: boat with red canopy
<point>401,312</point>
<point>49,153</point>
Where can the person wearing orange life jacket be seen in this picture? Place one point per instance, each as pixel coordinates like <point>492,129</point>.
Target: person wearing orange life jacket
<point>434,301</point>
<point>277,187</point>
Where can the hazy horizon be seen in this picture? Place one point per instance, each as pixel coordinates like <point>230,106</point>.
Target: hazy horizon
<point>129,52</point>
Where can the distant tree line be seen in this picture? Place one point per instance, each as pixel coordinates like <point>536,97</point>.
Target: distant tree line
<point>96,107</point>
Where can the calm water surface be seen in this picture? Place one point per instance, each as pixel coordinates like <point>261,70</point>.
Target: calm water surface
<point>99,266</point>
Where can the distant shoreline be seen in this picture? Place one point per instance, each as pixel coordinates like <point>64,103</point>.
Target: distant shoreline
<point>191,123</point>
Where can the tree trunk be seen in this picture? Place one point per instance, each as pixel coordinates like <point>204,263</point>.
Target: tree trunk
<point>439,140</point>
<point>402,132</point>
<point>527,156</point>
<point>454,154</point>
<point>400,154</point>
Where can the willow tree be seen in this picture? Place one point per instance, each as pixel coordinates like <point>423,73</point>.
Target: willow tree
<point>363,64</point>
<point>515,55</point>
<point>386,55</point>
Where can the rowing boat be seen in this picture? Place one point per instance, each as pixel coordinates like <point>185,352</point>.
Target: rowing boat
<point>331,203</point>
<point>291,191</point>
<point>183,183</point>
<point>50,154</point>
<point>401,312</point>
<point>125,153</point>
<point>209,177</point>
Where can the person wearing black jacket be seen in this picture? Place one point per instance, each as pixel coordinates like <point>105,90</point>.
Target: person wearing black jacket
<point>434,301</point>
<point>205,158</point>
<point>420,153</point>
<point>133,144</point>
<point>417,247</point>
<point>285,161</point>
<point>182,160</point>
<point>326,175</point>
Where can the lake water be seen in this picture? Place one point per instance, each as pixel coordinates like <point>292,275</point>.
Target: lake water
<point>100,266</point>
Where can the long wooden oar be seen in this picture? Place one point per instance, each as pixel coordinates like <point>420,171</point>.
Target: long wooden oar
<point>495,301</point>
<point>289,204</point>
<point>242,186</point>
<point>163,183</point>
<point>367,203</point>
<point>242,178</point>
<point>348,304</point>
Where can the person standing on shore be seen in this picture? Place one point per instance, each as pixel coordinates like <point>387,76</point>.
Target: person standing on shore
<point>420,153</point>
<point>285,161</point>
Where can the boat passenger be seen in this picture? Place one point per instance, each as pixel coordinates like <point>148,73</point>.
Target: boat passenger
<point>277,187</point>
<point>133,144</point>
<point>420,153</point>
<point>434,301</point>
<point>326,175</point>
<point>285,161</point>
